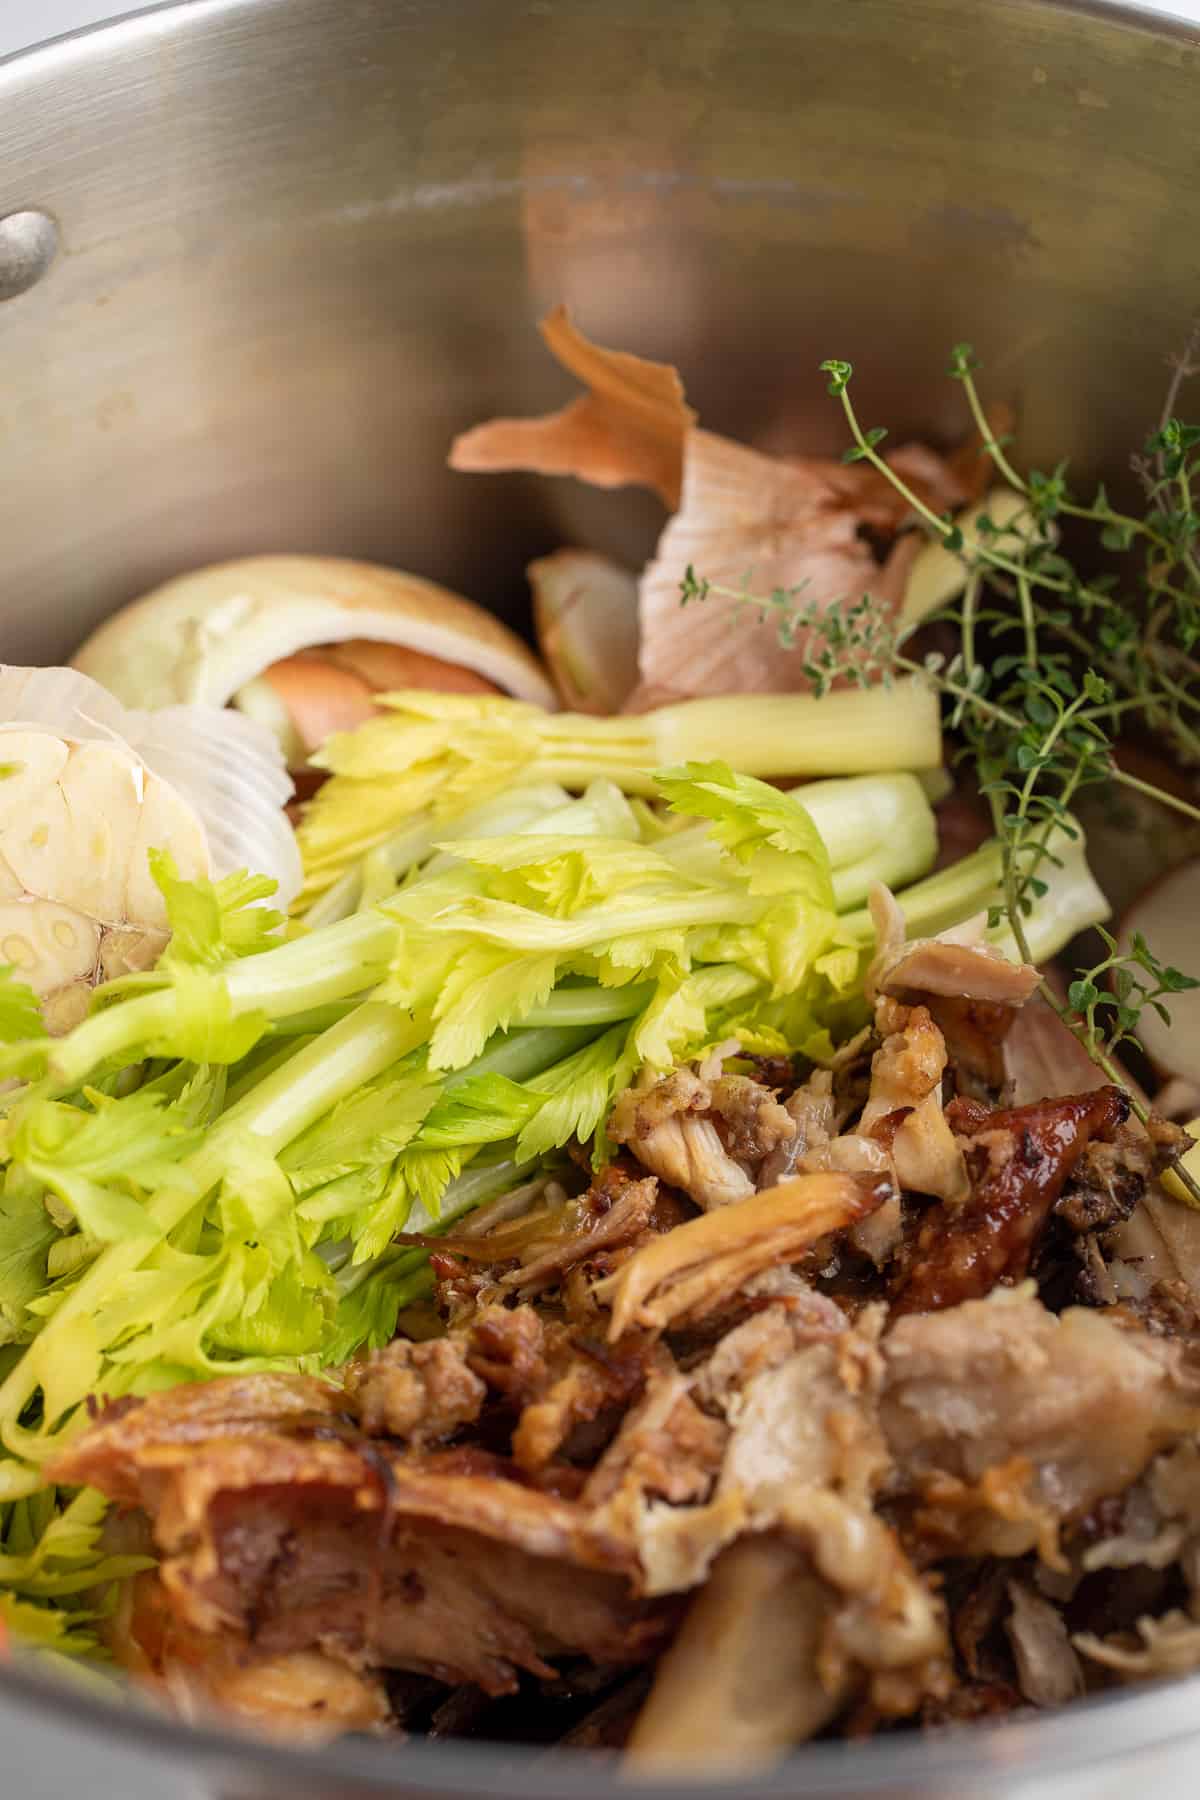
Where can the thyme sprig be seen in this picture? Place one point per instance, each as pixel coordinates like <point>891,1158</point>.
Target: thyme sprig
<point>1038,721</point>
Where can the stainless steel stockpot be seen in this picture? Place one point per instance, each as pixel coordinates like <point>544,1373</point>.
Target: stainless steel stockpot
<point>259,259</point>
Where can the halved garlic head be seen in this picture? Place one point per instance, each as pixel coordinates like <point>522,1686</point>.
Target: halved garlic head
<point>77,900</point>
<point>87,790</point>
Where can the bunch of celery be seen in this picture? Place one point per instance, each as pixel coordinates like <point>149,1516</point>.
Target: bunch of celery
<point>396,780</point>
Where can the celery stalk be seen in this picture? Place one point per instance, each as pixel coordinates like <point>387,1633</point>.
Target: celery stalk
<point>850,732</point>
<point>345,959</point>
<point>521,1055</point>
<point>874,827</point>
<point>1071,903</point>
<point>447,752</point>
<point>330,1069</point>
<point>591,1005</point>
<point>409,847</point>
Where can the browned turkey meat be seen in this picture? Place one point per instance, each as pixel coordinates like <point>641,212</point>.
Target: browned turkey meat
<point>789,1420</point>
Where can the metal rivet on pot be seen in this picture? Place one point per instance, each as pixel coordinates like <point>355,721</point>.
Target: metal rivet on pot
<point>28,242</point>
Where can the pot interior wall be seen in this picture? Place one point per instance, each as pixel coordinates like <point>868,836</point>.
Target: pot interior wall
<point>304,241</point>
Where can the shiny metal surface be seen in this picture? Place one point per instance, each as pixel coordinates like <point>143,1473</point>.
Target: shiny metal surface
<point>304,241</point>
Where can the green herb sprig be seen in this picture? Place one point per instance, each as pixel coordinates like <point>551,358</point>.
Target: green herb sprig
<point>1038,721</point>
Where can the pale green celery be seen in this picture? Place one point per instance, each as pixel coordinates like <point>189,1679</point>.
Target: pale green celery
<point>602,811</point>
<point>476,1185</point>
<point>408,1268</point>
<point>404,850</point>
<point>407,849</point>
<point>347,958</point>
<point>874,827</point>
<point>849,732</point>
<point>378,881</point>
<point>523,1053</point>
<point>70,1253</point>
<point>330,1069</point>
<point>591,1005</point>
<point>467,1192</point>
<point>893,863</point>
<point>282,1102</point>
<point>312,971</point>
<point>256,1068</point>
<point>1071,903</point>
<point>314,1020</point>
<point>350,1276</point>
<point>941,900</point>
<point>283,1105</point>
<point>518,929</point>
<point>449,751</point>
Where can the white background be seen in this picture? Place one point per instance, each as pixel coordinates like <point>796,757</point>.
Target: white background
<point>28,21</point>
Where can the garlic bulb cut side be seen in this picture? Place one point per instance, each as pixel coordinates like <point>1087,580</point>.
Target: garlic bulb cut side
<point>87,791</point>
<point>226,766</point>
<point>77,823</point>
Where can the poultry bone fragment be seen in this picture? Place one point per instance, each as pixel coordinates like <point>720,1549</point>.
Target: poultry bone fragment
<point>703,1137</point>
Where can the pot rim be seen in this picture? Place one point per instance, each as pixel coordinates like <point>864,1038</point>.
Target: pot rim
<point>1136,15</point>
<point>1116,1727</point>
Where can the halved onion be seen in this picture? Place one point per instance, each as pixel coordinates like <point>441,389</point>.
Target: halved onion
<point>302,644</point>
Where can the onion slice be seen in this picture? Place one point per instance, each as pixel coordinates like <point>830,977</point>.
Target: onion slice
<point>585,611</point>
